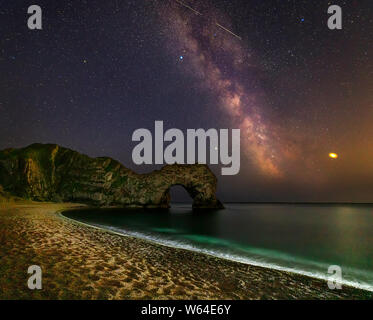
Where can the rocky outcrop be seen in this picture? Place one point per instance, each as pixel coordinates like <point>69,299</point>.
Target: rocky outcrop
<point>53,173</point>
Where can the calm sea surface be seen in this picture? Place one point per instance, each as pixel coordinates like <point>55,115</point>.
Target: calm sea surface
<point>305,239</point>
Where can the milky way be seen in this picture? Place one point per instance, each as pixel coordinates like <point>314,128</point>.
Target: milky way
<point>221,63</point>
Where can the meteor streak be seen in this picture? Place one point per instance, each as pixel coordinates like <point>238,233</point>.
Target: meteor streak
<point>200,14</point>
<point>220,26</point>
<point>186,6</point>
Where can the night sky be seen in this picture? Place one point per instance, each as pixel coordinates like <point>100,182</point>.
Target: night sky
<point>101,69</point>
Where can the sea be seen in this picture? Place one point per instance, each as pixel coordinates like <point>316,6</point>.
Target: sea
<point>309,239</point>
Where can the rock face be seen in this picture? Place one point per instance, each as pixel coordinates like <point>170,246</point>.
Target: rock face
<point>53,173</point>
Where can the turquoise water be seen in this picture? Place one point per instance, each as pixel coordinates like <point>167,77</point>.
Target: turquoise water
<point>305,239</point>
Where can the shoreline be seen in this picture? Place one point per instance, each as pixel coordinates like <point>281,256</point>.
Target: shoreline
<point>254,263</point>
<point>82,262</point>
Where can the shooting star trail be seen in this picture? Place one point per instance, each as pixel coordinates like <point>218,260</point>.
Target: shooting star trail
<point>200,14</point>
<point>190,8</point>
<point>232,33</point>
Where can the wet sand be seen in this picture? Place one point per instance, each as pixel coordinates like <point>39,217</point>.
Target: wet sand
<point>80,262</point>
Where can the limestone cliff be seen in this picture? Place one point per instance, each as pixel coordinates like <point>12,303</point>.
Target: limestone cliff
<point>53,173</point>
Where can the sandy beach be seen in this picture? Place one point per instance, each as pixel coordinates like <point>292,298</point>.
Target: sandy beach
<point>80,262</point>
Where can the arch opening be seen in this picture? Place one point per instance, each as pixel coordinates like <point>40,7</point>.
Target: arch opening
<point>179,195</point>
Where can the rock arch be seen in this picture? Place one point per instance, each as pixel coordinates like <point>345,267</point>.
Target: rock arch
<point>46,172</point>
<point>198,180</point>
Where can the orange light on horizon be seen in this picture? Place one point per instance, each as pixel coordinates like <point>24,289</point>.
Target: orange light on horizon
<point>333,155</point>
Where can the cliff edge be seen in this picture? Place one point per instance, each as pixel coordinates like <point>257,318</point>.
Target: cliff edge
<point>46,172</point>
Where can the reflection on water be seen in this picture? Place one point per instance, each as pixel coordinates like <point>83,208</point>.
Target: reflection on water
<point>300,238</point>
